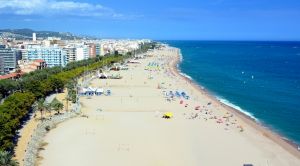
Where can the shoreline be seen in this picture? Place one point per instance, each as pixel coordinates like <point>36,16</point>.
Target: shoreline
<point>282,141</point>
<point>143,137</point>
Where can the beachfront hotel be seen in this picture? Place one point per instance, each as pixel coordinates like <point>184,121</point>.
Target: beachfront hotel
<point>82,52</point>
<point>70,53</point>
<point>53,56</point>
<point>8,59</point>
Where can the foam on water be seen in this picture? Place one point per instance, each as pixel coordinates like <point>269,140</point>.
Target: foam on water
<point>181,58</point>
<point>272,96</point>
<point>228,103</point>
<point>185,75</point>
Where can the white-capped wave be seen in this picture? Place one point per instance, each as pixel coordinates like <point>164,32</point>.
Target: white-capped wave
<point>228,103</point>
<point>180,57</point>
<point>185,75</point>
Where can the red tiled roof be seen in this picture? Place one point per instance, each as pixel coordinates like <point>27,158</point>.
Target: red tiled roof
<point>12,75</point>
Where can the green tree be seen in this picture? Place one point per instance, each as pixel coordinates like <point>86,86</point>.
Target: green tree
<point>57,105</point>
<point>12,112</point>
<point>40,106</point>
<point>34,85</point>
<point>57,83</point>
<point>6,159</point>
<point>73,96</point>
<point>30,90</point>
<point>48,107</point>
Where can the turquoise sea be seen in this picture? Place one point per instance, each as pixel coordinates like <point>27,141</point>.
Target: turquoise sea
<point>261,79</point>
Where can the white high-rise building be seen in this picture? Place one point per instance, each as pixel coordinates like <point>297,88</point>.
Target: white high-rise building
<point>70,53</point>
<point>34,37</point>
<point>82,52</point>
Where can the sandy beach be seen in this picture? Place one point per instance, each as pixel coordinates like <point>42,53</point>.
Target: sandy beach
<point>30,127</point>
<point>127,128</point>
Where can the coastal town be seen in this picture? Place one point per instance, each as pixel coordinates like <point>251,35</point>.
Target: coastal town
<point>85,102</point>
<point>149,83</point>
<point>18,57</point>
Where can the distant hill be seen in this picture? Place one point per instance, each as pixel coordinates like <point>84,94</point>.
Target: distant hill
<point>27,34</point>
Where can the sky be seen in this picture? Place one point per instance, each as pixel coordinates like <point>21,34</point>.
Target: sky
<point>158,19</point>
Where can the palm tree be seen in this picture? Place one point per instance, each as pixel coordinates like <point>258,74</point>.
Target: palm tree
<point>48,107</point>
<point>6,159</point>
<point>67,98</point>
<point>57,105</point>
<point>40,106</point>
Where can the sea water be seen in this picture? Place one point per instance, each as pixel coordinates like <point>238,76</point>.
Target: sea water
<point>261,79</point>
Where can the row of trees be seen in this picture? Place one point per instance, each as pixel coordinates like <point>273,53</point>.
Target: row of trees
<point>25,83</point>
<point>6,159</point>
<point>36,86</point>
<point>42,106</point>
<point>18,96</point>
<point>13,112</point>
<point>30,82</point>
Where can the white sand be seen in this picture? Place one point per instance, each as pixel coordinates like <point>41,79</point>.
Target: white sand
<point>130,131</point>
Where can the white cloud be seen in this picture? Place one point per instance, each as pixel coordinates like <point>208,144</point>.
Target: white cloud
<point>55,7</point>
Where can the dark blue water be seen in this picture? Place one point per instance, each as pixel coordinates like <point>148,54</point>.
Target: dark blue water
<point>260,78</point>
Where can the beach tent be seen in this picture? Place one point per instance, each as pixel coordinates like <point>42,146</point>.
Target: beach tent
<point>82,91</point>
<point>90,91</point>
<point>102,76</point>
<point>168,115</point>
<point>99,91</point>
